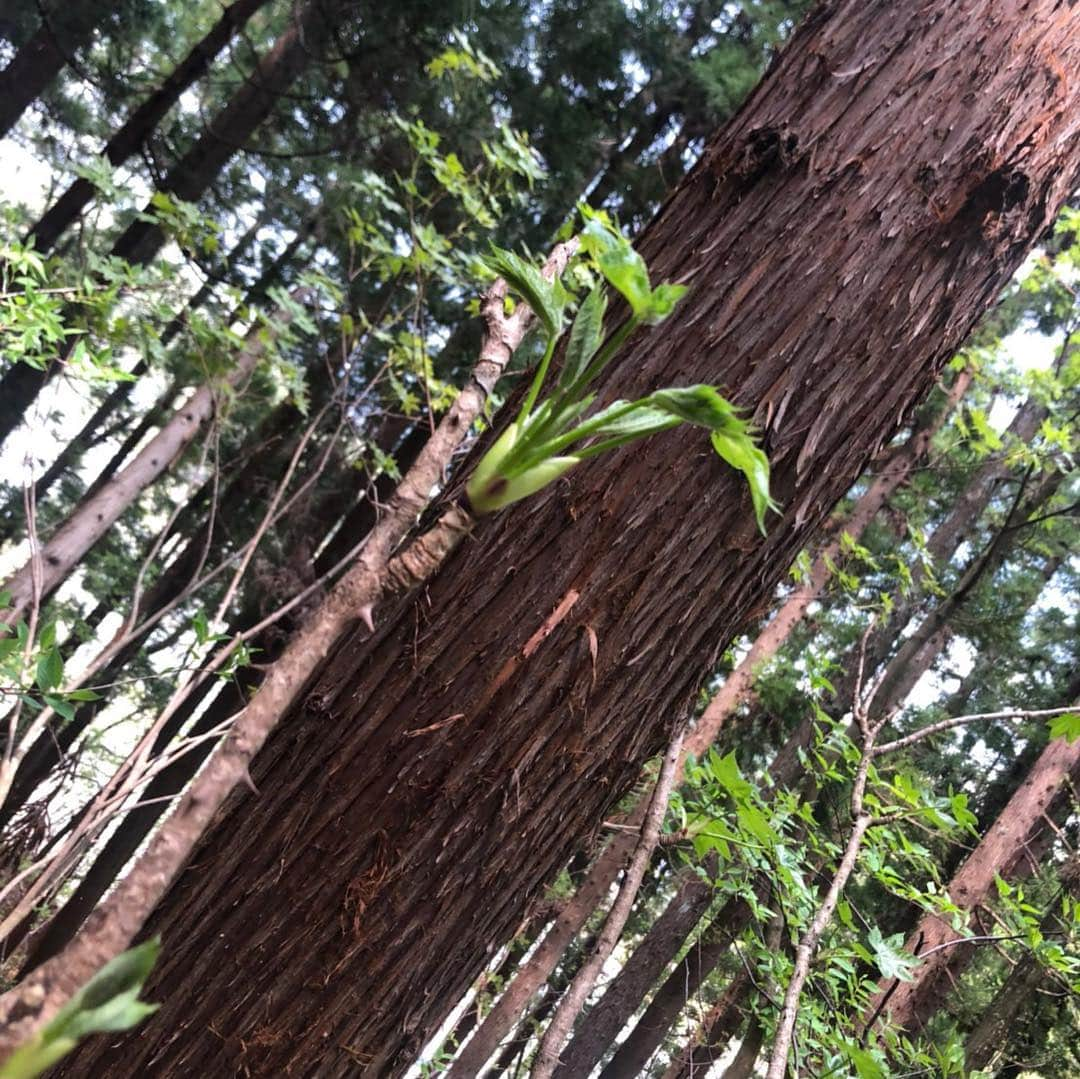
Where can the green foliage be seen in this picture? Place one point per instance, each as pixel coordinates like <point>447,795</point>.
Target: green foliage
<point>107,1003</point>
<point>533,450</point>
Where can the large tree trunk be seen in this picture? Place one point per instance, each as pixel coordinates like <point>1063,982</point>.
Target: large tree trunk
<point>64,29</point>
<point>667,935</point>
<point>137,824</point>
<point>190,177</point>
<point>131,136</point>
<point>437,775</point>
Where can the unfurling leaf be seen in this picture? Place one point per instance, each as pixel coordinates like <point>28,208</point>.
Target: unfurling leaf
<point>740,452</point>
<point>585,337</point>
<point>499,491</point>
<point>891,959</point>
<point>623,267</point>
<point>546,298</point>
<point>701,405</point>
<point>107,1003</point>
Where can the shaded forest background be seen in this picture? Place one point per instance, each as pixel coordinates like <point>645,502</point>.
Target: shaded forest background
<point>242,268</point>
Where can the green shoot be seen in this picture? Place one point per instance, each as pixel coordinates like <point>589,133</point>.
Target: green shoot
<point>108,1002</point>
<point>547,439</point>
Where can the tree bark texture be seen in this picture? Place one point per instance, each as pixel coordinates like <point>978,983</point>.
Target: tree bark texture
<point>840,237</point>
<point>911,1004</point>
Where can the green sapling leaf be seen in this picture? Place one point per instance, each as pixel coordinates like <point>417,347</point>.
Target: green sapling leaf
<point>585,336</point>
<point>546,298</point>
<point>739,451</point>
<point>623,267</point>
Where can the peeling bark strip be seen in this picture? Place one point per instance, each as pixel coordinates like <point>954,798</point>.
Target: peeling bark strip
<point>328,925</point>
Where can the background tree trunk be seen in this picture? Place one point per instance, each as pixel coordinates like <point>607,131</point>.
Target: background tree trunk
<point>132,135</point>
<point>909,1005</point>
<point>65,28</point>
<point>189,178</point>
<point>331,923</point>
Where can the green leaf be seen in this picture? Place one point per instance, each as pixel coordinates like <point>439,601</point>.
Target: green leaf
<point>891,959</point>
<point>866,1067</point>
<point>662,302</point>
<point>1066,726</point>
<point>725,770</point>
<point>740,452</point>
<point>585,337</point>
<point>546,298</point>
<point>50,670</point>
<point>108,1002</point>
<point>700,405</point>
<point>623,267</point>
<point>641,420</point>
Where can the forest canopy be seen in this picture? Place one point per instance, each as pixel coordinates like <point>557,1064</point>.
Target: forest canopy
<point>539,538</point>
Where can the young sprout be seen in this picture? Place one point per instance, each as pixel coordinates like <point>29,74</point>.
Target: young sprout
<point>546,440</point>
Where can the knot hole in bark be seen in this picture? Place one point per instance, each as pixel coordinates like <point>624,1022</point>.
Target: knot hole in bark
<point>994,196</point>
<point>765,149</point>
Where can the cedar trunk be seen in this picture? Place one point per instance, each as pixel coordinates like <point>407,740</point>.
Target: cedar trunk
<point>910,1005</point>
<point>840,238</point>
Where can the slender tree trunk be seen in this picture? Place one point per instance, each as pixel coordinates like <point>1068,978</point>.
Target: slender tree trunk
<point>94,516</point>
<point>742,1067</point>
<point>685,980</point>
<point>137,824</point>
<point>441,771</point>
<point>989,1038</point>
<point>133,134</point>
<point>909,1005</point>
<point>190,177</point>
<point>47,52</point>
<point>90,432</point>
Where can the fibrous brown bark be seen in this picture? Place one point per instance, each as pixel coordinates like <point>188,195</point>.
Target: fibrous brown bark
<point>833,274</point>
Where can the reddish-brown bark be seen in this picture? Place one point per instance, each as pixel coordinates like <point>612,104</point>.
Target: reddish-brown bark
<point>667,935</point>
<point>909,1005</point>
<point>841,236</point>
